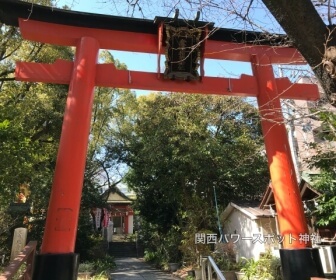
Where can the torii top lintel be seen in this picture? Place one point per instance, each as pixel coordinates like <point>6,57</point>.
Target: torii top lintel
<point>113,32</point>
<point>65,27</point>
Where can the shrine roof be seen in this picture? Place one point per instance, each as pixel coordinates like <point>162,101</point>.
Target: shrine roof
<point>307,192</point>
<point>11,10</point>
<point>115,195</point>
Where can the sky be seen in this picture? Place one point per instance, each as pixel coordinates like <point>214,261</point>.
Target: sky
<point>148,62</point>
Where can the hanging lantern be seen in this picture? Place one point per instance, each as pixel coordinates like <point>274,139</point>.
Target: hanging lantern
<point>184,43</point>
<point>183,53</point>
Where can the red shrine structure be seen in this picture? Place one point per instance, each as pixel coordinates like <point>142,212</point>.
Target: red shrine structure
<point>120,211</point>
<point>185,44</point>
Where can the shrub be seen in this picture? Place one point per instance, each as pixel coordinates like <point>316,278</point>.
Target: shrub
<point>266,268</point>
<point>104,266</point>
<point>86,267</point>
<point>100,267</point>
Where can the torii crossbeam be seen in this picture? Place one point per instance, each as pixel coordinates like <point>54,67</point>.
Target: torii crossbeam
<point>91,32</point>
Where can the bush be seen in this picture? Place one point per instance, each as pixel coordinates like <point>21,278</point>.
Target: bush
<point>100,267</point>
<point>190,249</point>
<point>155,257</point>
<point>266,268</point>
<point>104,266</point>
<point>160,249</point>
<point>225,257</point>
<point>86,267</point>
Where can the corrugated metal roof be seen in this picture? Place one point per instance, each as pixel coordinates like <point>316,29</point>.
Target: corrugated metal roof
<point>252,211</point>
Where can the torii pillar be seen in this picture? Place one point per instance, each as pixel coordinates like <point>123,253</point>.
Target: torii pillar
<point>57,260</point>
<point>299,260</point>
<point>285,188</point>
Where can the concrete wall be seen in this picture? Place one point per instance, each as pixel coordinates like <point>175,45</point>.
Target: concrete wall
<point>252,235</point>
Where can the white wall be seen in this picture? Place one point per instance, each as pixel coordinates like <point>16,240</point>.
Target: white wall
<point>130,224</point>
<point>248,230</point>
<point>269,229</point>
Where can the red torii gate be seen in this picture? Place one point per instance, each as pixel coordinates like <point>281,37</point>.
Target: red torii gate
<point>84,73</point>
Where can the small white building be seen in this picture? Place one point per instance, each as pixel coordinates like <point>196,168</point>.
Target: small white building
<point>252,230</point>
<point>253,227</point>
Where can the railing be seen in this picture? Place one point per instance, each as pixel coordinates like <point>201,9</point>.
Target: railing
<point>208,267</point>
<point>25,256</point>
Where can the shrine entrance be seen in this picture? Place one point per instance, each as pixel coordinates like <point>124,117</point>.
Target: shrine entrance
<point>186,44</point>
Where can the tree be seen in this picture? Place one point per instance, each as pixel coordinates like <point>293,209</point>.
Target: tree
<point>30,124</point>
<point>30,127</point>
<point>324,161</point>
<point>309,33</point>
<point>179,146</point>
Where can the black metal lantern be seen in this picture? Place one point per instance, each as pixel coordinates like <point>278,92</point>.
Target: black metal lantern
<point>16,208</point>
<point>184,43</point>
<point>182,52</point>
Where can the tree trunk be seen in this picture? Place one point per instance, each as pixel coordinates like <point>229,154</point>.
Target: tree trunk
<point>306,29</point>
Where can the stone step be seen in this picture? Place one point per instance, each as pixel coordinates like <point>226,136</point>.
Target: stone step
<point>123,249</point>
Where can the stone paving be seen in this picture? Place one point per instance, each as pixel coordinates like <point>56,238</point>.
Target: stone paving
<point>137,269</point>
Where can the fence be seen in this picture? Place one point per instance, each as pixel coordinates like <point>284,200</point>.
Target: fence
<point>208,267</point>
<point>25,256</point>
